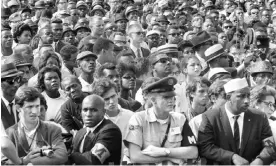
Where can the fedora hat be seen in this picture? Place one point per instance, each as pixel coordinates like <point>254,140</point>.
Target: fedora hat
<point>39,5</point>
<point>200,37</point>
<point>213,52</point>
<point>9,70</point>
<point>18,60</point>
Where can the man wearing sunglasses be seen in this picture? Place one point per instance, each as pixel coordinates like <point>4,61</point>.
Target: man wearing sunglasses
<point>173,35</point>
<point>10,82</point>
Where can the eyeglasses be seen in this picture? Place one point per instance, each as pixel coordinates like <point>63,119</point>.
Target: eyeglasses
<point>139,33</point>
<point>13,80</point>
<point>227,27</point>
<point>174,34</point>
<point>164,60</point>
<point>129,77</point>
<point>270,105</point>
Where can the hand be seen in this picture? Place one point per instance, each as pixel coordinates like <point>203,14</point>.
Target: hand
<point>257,161</point>
<point>31,155</point>
<point>176,161</point>
<point>154,151</point>
<point>238,160</point>
<point>248,60</point>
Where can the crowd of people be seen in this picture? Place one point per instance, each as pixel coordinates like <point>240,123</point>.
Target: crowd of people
<point>138,82</point>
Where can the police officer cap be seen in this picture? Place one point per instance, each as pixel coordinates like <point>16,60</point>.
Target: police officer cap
<point>164,86</point>
<point>85,54</point>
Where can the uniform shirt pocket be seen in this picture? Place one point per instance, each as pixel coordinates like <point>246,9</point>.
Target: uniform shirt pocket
<point>174,140</point>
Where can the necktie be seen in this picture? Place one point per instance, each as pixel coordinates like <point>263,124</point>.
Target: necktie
<point>83,144</point>
<point>12,114</point>
<point>237,133</point>
<point>139,53</point>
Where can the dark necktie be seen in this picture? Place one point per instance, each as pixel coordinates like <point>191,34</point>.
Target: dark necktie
<point>237,133</point>
<point>12,114</point>
<point>139,53</point>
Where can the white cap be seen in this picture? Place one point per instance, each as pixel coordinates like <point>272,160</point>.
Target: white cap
<point>235,84</point>
<point>216,70</point>
<point>151,32</point>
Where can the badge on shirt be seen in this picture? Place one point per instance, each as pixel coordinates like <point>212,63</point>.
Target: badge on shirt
<point>175,130</point>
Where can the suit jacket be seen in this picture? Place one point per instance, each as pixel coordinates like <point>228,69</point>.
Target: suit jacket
<point>7,119</point>
<point>47,134</point>
<point>59,45</point>
<point>107,134</point>
<point>145,52</point>
<point>216,141</point>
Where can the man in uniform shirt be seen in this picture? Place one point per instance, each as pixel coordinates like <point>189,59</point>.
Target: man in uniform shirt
<point>100,141</point>
<point>233,133</point>
<point>159,135</point>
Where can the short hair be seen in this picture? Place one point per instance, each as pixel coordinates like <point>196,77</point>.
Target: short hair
<point>42,29</point>
<point>184,61</point>
<point>122,68</point>
<point>108,65</point>
<point>216,88</point>
<point>101,44</point>
<point>46,55</point>
<point>41,75</point>
<point>28,94</point>
<point>19,29</point>
<point>259,92</point>
<point>192,85</point>
<point>67,50</point>
<point>70,77</point>
<point>56,21</point>
<point>102,86</point>
<point>254,7</point>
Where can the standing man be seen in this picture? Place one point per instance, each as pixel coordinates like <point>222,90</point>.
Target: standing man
<point>136,35</point>
<point>121,22</point>
<point>57,33</point>
<point>100,141</point>
<point>233,133</point>
<point>10,82</point>
<point>86,61</point>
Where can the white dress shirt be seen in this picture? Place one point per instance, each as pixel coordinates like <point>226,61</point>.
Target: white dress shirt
<point>9,109</point>
<point>135,50</point>
<point>86,87</point>
<point>232,121</point>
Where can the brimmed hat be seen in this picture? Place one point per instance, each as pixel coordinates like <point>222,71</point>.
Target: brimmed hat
<point>81,3</point>
<point>164,86</point>
<point>9,70</point>
<point>162,18</point>
<point>273,14</point>
<point>86,54</point>
<point>67,29</point>
<point>215,71</point>
<point>12,3</point>
<point>64,12</point>
<point>95,8</point>
<point>156,56</point>
<point>18,60</point>
<point>152,32</point>
<point>120,16</point>
<point>235,84</point>
<point>168,48</point>
<point>78,26</point>
<point>209,4</point>
<point>15,17</point>
<point>214,52</point>
<point>26,10</point>
<point>261,67</point>
<point>97,2</point>
<point>200,38</point>
<point>39,5</point>
<point>130,9</point>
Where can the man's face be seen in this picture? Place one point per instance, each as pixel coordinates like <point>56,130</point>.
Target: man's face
<point>255,14</point>
<point>222,38</point>
<point>240,100</point>
<point>197,22</point>
<point>153,40</point>
<point>47,36</point>
<point>72,88</point>
<point>227,5</point>
<point>27,73</point>
<point>121,25</point>
<point>173,36</point>
<point>129,80</point>
<point>72,62</point>
<point>69,37</point>
<point>162,38</point>
<point>6,39</point>
<point>30,111</point>
<point>265,17</point>
<point>14,8</point>
<point>10,85</point>
<point>25,16</point>
<point>113,76</point>
<point>75,15</point>
<point>137,35</point>
<point>62,5</point>
<point>88,64</point>
<point>89,3</point>
<point>82,11</point>
<point>263,78</point>
<point>111,100</point>
<point>240,14</point>
<point>133,16</point>
<point>200,96</point>
<point>127,60</point>
<point>81,33</point>
<point>165,103</point>
<point>57,31</point>
<point>226,27</point>
<point>163,67</point>
<point>208,26</point>
<point>215,18</point>
<point>71,6</point>
<point>92,113</point>
<point>223,60</point>
<point>98,27</point>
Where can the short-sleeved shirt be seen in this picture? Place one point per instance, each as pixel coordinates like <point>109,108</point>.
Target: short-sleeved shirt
<point>145,129</point>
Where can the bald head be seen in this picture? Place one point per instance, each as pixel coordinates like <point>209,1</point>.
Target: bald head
<point>24,50</point>
<point>92,110</point>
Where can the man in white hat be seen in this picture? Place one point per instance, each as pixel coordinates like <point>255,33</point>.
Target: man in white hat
<point>233,133</point>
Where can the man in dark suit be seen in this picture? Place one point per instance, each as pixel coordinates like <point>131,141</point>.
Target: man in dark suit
<point>100,141</point>
<point>135,33</point>
<point>233,133</point>
<point>10,82</point>
<point>57,33</point>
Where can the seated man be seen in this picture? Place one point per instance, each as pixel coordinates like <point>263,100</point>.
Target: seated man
<point>100,141</point>
<point>36,142</point>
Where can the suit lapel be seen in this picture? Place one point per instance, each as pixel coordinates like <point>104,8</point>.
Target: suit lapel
<point>227,128</point>
<point>6,117</point>
<point>22,139</point>
<point>247,125</point>
<point>78,139</point>
<point>41,134</point>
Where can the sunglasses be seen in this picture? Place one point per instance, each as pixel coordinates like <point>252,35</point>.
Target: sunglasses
<point>227,27</point>
<point>164,60</point>
<point>139,33</point>
<point>13,80</point>
<point>129,77</point>
<point>174,34</point>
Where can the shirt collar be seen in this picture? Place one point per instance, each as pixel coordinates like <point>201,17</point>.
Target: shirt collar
<point>30,131</point>
<point>6,101</point>
<point>120,112</point>
<point>230,115</point>
<point>133,47</point>
<point>92,129</point>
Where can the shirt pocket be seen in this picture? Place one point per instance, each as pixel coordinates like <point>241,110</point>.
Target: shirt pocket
<point>174,140</point>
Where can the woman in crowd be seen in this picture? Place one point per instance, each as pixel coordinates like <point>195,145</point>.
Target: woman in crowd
<point>22,34</point>
<point>49,83</point>
<point>6,40</point>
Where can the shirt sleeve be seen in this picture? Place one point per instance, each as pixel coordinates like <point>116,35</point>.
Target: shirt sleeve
<point>188,136</point>
<point>134,131</point>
